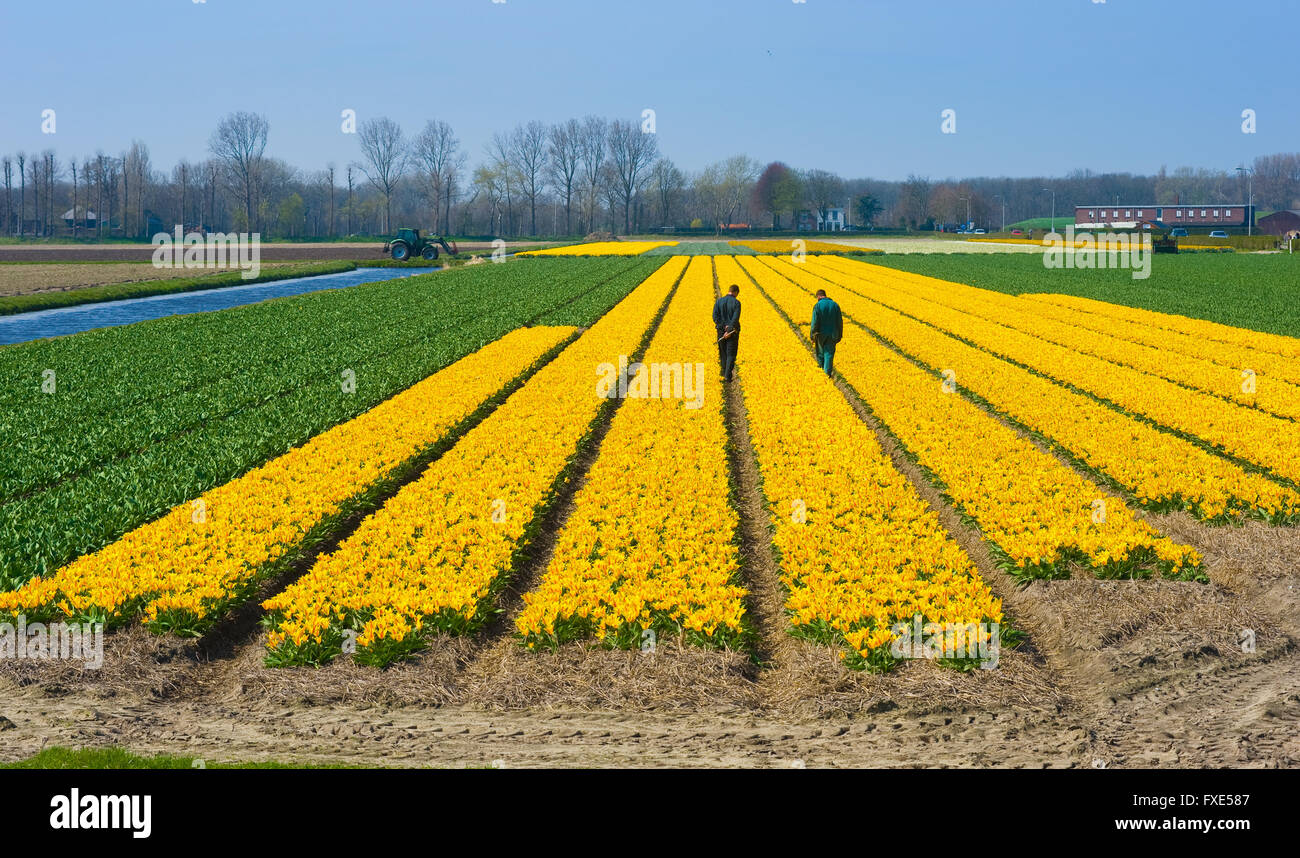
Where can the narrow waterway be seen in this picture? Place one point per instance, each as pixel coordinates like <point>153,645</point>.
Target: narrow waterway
<point>22,327</point>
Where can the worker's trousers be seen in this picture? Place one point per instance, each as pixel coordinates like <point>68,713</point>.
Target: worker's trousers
<point>727,354</point>
<point>825,354</point>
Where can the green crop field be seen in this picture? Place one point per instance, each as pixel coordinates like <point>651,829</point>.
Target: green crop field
<point>147,416</point>
<point>1258,291</point>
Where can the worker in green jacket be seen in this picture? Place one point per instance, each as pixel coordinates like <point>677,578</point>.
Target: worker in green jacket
<point>827,330</point>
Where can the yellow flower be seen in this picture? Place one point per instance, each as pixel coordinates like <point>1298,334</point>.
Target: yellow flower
<point>193,564</point>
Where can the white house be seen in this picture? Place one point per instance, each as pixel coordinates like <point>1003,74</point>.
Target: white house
<point>833,222</point>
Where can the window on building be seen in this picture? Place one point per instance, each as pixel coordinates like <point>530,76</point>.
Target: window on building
<point>1116,213</point>
<point>1178,213</point>
<point>1202,212</point>
<point>1128,213</point>
<point>1092,213</point>
<point>1227,212</point>
<point>1216,212</point>
<point>1139,212</point>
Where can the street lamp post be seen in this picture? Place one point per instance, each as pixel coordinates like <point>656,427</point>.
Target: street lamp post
<point>1250,205</point>
<point>967,201</point>
<point>1053,193</point>
<point>1004,210</point>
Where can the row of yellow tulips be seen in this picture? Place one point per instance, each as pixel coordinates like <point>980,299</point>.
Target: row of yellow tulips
<point>434,556</point>
<point>650,545</point>
<point>1037,513</point>
<point>1247,433</point>
<point>183,569</point>
<point>1161,470</point>
<point>1270,354</point>
<point>601,248</point>
<point>859,550</point>
<point>806,244</point>
<point>1254,388</point>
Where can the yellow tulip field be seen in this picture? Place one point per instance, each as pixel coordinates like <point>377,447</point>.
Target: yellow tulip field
<point>969,442</point>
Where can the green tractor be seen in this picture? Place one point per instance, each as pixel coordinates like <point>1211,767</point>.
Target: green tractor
<point>410,244</point>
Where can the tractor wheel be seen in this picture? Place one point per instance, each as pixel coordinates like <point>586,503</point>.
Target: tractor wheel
<point>401,252</point>
<point>430,253</point>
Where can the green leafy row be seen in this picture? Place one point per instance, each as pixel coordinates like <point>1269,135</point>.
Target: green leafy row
<point>264,379</point>
<point>90,420</point>
<point>1246,290</point>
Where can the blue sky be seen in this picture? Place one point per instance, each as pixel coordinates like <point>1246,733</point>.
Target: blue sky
<point>854,86</point>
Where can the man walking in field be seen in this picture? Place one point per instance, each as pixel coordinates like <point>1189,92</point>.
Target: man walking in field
<point>827,330</point>
<point>726,319</point>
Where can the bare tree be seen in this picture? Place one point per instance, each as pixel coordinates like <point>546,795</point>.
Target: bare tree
<point>436,153</point>
<point>352,180</point>
<point>386,156</point>
<point>913,207</point>
<point>503,167</point>
<point>609,193</point>
<point>75,221</point>
<point>181,176</point>
<point>593,139</point>
<point>528,157</point>
<point>22,194</point>
<point>8,165</point>
<point>563,157</point>
<point>110,190</point>
<point>823,189</point>
<point>208,210</point>
<point>631,151</point>
<point>453,184</point>
<point>100,177</point>
<point>239,143</point>
<point>51,171</point>
<point>136,164</point>
<point>667,183</point>
<point>489,183</point>
<point>329,173</point>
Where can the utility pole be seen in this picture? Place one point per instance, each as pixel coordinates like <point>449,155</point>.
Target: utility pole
<point>1053,193</point>
<point>1004,210</point>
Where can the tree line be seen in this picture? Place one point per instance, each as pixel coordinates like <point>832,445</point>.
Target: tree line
<point>583,175</point>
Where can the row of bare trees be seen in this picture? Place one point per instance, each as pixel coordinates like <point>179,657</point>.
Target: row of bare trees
<point>569,178</point>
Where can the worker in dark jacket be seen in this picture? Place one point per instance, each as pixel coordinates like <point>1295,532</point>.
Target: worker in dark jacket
<point>827,330</point>
<point>726,319</point>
